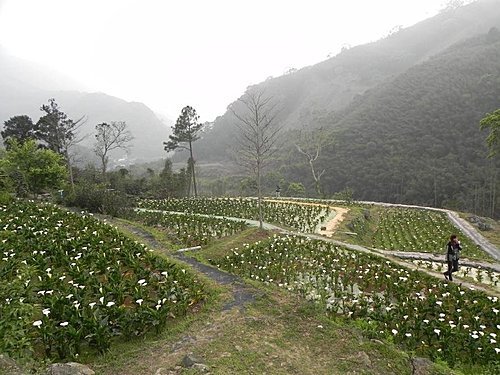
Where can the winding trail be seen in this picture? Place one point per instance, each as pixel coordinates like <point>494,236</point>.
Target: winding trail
<point>460,223</point>
<point>242,295</point>
<point>241,292</point>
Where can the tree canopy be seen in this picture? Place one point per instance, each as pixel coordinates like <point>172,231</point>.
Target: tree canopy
<point>32,170</point>
<point>185,132</point>
<point>19,128</point>
<point>492,122</point>
<point>110,137</point>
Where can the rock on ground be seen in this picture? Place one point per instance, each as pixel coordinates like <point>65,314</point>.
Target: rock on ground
<point>70,368</point>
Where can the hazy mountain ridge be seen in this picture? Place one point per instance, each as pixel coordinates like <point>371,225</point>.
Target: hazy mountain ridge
<point>24,87</point>
<point>414,137</point>
<point>314,95</point>
<point>421,129</point>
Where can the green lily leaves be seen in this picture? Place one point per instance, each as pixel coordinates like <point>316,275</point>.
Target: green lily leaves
<point>415,310</point>
<point>70,282</point>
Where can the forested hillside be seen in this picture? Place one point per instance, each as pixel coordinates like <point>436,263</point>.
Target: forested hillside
<point>401,114</point>
<point>416,139</point>
<point>312,95</point>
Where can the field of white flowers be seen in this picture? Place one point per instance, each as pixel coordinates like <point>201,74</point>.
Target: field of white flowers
<point>71,283</point>
<point>430,317</point>
<point>410,229</point>
<point>475,274</point>
<point>189,229</point>
<point>303,218</point>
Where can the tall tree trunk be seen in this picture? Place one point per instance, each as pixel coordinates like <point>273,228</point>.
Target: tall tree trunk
<point>189,180</point>
<point>259,196</point>
<point>104,161</point>
<point>70,171</point>
<point>192,169</point>
<point>493,192</point>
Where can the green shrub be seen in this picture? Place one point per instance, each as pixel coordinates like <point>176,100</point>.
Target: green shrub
<point>98,199</point>
<point>5,197</point>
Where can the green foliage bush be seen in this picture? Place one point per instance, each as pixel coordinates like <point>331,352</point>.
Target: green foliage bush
<point>5,197</point>
<point>97,199</point>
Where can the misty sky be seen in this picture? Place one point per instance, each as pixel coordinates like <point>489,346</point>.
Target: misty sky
<point>202,53</point>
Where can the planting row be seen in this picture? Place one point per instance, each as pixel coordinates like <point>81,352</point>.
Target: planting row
<point>189,229</point>
<point>71,283</point>
<point>476,274</point>
<point>410,229</point>
<point>431,317</point>
<point>304,218</point>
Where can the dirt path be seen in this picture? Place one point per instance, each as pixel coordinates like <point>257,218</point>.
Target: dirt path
<point>460,223</point>
<point>331,225</point>
<point>404,258</point>
<point>396,259</point>
<point>469,230</point>
<point>241,292</point>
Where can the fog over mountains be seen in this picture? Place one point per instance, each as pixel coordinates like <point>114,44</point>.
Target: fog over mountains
<point>402,113</point>
<point>313,96</point>
<point>25,86</point>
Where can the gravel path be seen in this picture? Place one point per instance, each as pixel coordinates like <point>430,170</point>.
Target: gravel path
<point>469,230</point>
<point>460,223</point>
<point>242,293</point>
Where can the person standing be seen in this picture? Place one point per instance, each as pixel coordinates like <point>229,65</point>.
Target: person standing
<point>278,190</point>
<point>452,256</point>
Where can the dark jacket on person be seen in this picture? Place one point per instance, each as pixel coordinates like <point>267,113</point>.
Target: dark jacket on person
<point>453,251</point>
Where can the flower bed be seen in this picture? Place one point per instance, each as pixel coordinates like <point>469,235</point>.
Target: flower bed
<point>410,229</point>
<point>190,229</point>
<point>433,318</point>
<point>70,282</point>
<point>304,218</point>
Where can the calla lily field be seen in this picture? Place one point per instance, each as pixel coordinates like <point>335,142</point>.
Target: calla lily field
<point>72,283</point>
<point>433,318</point>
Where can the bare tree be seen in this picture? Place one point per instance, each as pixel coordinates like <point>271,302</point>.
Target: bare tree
<point>258,136</point>
<point>110,137</point>
<point>310,145</point>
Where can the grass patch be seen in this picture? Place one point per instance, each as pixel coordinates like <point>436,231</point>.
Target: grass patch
<point>222,247</point>
<point>281,334</point>
<point>358,225</point>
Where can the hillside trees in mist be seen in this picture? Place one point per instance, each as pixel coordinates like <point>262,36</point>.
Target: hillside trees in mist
<point>492,123</point>
<point>415,139</point>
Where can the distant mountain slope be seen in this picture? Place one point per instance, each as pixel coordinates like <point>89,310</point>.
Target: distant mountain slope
<point>316,94</point>
<point>20,75</point>
<point>416,138</point>
<point>24,87</point>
